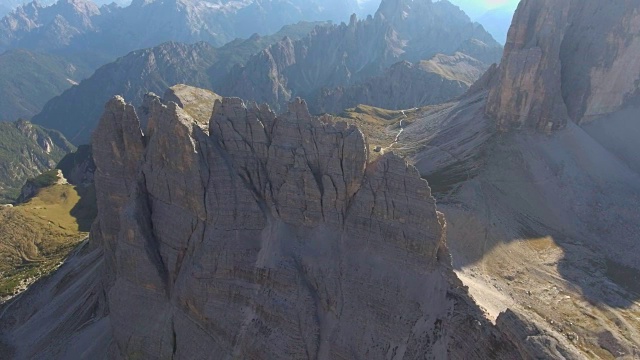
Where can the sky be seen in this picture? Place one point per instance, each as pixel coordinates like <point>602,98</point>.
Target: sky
<point>477,8</point>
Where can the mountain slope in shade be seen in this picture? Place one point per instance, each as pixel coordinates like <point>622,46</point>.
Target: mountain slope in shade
<point>405,85</point>
<point>76,111</point>
<point>28,80</point>
<point>27,150</point>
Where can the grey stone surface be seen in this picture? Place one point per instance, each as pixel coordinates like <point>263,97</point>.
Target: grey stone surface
<point>568,59</point>
<point>273,238</point>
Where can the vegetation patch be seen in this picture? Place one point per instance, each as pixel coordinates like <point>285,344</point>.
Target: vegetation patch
<point>45,179</point>
<point>35,237</point>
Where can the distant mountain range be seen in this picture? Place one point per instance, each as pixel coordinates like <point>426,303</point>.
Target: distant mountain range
<point>7,6</point>
<point>494,16</point>
<point>64,42</point>
<point>497,21</point>
<point>29,79</point>
<point>334,67</point>
<point>81,26</point>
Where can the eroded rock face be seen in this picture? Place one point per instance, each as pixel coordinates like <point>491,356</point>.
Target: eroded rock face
<point>565,60</point>
<point>272,237</point>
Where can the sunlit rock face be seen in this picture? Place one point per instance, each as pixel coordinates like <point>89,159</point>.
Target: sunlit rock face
<point>567,60</point>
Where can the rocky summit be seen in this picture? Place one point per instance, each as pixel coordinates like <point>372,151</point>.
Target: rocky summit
<point>267,236</point>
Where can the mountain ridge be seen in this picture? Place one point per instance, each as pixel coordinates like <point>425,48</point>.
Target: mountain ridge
<point>294,66</point>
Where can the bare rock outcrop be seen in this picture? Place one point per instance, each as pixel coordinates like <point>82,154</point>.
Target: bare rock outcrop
<point>567,60</point>
<point>273,237</point>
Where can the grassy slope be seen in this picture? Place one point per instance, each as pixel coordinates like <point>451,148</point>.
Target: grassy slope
<point>380,126</point>
<point>37,235</point>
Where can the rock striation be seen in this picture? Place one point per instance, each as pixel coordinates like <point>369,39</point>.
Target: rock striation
<point>269,237</point>
<point>564,62</point>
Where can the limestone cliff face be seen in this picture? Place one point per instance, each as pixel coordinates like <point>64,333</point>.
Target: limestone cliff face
<point>567,60</point>
<point>271,236</point>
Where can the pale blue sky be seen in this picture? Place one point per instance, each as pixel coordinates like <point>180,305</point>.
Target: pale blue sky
<point>477,8</point>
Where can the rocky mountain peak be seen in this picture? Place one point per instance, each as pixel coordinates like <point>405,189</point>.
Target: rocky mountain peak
<point>567,60</point>
<point>284,211</point>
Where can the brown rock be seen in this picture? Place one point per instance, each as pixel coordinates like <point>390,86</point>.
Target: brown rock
<point>564,60</point>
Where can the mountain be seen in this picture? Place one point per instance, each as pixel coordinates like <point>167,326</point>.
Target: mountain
<point>47,27</point>
<point>28,80</point>
<point>37,235</point>
<point>536,171</point>
<point>76,111</point>
<point>276,217</point>
<point>7,6</point>
<point>601,78</point>
<point>335,66</point>
<point>400,31</point>
<point>103,33</point>
<point>284,235</point>
<point>494,16</point>
<point>53,47</point>
<point>26,150</point>
<point>405,85</point>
